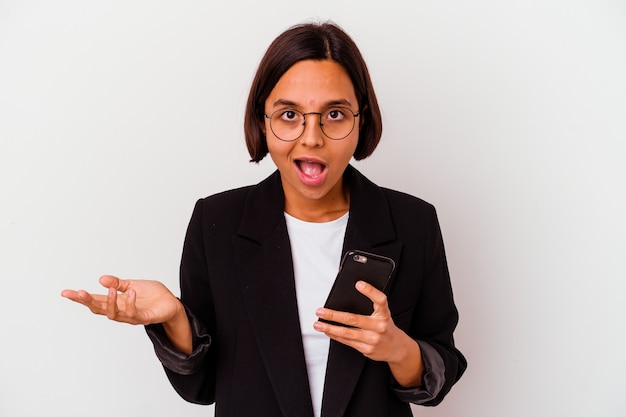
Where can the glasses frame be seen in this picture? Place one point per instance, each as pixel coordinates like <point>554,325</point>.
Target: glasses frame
<point>304,115</point>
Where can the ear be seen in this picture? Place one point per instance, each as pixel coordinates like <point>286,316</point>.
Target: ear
<point>262,126</point>
<point>362,117</point>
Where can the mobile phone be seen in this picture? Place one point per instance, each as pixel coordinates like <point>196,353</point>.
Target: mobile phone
<point>356,266</point>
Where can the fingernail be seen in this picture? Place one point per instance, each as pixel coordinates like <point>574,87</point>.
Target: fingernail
<point>317,325</point>
<point>360,285</point>
<point>319,312</point>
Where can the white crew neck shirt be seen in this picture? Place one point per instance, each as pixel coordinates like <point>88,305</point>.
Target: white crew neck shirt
<point>316,250</point>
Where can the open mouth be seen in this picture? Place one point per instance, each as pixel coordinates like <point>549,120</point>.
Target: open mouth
<point>311,169</point>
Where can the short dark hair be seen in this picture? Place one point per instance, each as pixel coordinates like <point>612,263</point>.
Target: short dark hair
<point>316,41</point>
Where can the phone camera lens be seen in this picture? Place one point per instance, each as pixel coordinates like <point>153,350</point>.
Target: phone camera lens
<point>360,259</point>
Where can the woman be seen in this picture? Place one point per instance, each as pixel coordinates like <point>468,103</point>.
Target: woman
<point>258,262</point>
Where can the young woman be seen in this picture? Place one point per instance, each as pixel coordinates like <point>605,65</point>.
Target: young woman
<point>259,261</point>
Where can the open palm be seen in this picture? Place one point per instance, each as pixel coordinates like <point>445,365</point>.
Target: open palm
<point>130,301</point>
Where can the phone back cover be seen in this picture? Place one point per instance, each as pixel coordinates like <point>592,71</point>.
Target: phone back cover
<point>344,296</point>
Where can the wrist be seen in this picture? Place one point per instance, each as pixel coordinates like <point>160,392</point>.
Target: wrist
<point>178,330</point>
<point>406,348</point>
<point>177,319</point>
<point>407,366</point>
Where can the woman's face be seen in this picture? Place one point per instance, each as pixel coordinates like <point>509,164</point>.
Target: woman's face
<point>312,166</point>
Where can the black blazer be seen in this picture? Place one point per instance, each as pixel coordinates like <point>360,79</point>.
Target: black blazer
<point>237,280</point>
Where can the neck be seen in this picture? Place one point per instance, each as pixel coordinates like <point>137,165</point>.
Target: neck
<point>330,207</point>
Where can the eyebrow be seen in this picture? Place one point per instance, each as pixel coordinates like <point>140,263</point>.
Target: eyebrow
<point>288,103</point>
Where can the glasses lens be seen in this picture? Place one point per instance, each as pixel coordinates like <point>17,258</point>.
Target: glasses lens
<point>287,124</point>
<point>336,123</point>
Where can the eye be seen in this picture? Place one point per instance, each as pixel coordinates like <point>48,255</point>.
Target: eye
<point>335,115</point>
<point>289,115</point>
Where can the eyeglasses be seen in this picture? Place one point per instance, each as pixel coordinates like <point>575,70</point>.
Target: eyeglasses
<point>336,123</point>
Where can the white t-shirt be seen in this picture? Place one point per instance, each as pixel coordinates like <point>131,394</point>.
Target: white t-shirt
<point>316,251</point>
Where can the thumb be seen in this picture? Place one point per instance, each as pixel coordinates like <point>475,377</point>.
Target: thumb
<point>110,281</point>
<point>378,298</point>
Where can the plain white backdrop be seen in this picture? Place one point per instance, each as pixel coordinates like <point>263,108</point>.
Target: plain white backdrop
<point>510,117</point>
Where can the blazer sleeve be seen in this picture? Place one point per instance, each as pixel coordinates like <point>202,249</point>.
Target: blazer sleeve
<point>436,315</point>
<point>192,376</point>
<point>175,360</point>
<point>433,378</point>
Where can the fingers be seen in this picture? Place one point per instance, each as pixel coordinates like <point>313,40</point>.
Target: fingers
<point>367,334</point>
<point>381,310</point>
<point>70,295</point>
<point>95,303</point>
<point>365,341</point>
<point>128,307</point>
<point>348,319</point>
<point>80,296</point>
<point>375,336</point>
<point>105,305</point>
<point>131,307</point>
<point>111,306</point>
<point>351,320</point>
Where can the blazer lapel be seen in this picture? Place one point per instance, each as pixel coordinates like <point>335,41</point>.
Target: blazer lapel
<point>371,229</point>
<point>266,270</point>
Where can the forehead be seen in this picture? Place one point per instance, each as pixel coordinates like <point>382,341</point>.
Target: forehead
<point>310,83</point>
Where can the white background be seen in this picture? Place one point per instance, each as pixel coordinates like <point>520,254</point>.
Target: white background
<point>510,117</point>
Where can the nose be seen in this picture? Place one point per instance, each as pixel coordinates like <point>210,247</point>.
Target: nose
<point>312,135</point>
